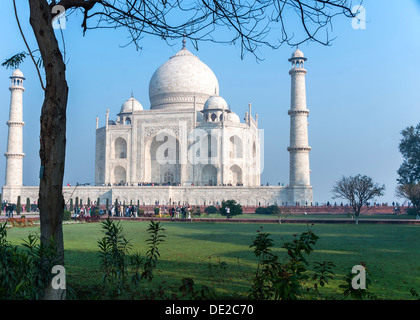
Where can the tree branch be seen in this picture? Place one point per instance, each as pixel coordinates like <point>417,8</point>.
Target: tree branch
<point>27,46</point>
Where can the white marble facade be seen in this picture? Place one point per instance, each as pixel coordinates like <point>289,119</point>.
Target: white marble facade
<point>189,137</point>
<point>189,146</point>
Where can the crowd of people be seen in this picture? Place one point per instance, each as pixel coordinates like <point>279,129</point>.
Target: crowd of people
<point>163,184</point>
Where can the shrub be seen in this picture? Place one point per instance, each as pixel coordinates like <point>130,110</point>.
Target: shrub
<point>235,208</point>
<point>24,273</point>
<point>261,210</point>
<point>273,209</point>
<point>210,210</point>
<point>88,219</point>
<point>95,212</point>
<point>66,215</point>
<point>116,259</point>
<point>275,279</point>
<point>21,222</point>
<point>412,211</point>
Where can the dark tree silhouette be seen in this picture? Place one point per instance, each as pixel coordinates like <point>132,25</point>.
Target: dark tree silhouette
<point>249,24</point>
<point>409,171</point>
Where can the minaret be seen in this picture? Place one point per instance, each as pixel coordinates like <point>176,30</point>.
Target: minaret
<point>299,148</point>
<point>14,154</point>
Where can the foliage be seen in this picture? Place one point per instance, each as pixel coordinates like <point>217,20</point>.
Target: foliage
<point>197,211</point>
<point>235,208</point>
<point>414,294</point>
<point>412,211</point>
<point>95,212</point>
<point>156,238</point>
<point>21,222</point>
<point>285,280</point>
<point>189,290</point>
<point>116,258</point>
<point>28,205</point>
<point>409,171</point>
<point>358,190</point>
<point>24,274</point>
<point>114,248</point>
<point>357,294</point>
<point>66,215</point>
<point>412,193</point>
<point>210,210</point>
<point>322,273</point>
<point>18,206</point>
<point>94,218</point>
<point>272,209</point>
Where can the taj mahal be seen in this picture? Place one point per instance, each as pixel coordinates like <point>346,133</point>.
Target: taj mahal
<point>188,147</point>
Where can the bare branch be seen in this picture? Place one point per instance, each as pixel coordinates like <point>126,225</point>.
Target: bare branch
<point>27,46</point>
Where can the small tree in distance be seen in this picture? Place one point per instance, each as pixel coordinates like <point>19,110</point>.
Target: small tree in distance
<point>358,190</point>
<point>18,206</point>
<point>235,208</point>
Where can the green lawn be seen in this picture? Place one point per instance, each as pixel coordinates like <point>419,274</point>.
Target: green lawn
<point>314,216</point>
<point>391,252</point>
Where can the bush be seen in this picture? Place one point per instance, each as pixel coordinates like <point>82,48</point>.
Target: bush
<point>66,215</point>
<point>116,258</point>
<point>412,211</point>
<point>140,212</point>
<point>235,208</point>
<point>95,212</point>
<point>24,273</point>
<point>210,210</point>
<point>261,210</point>
<point>273,209</point>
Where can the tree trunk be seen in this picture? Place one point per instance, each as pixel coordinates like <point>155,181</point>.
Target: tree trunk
<point>53,131</point>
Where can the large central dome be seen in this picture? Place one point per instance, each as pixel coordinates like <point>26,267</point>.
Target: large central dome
<point>183,77</point>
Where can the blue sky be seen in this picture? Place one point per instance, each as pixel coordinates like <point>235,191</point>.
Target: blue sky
<point>362,91</point>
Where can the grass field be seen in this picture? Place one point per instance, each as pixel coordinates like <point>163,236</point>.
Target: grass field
<point>315,216</point>
<point>391,253</point>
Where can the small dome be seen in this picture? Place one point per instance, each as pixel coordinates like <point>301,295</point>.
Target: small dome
<point>215,102</point>
<point>233,117</point>
<point>17,73</point>
<point>297,54</point>
<point>130,106</point>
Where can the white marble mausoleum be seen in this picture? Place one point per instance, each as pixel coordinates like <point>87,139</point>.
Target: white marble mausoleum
<point>187,147</point>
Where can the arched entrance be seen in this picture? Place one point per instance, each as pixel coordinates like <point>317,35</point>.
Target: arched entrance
<point>209,175</point>
<point>162,162</point>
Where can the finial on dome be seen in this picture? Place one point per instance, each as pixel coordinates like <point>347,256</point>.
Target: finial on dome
<point>184,42</point>
<point>132,95</point>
